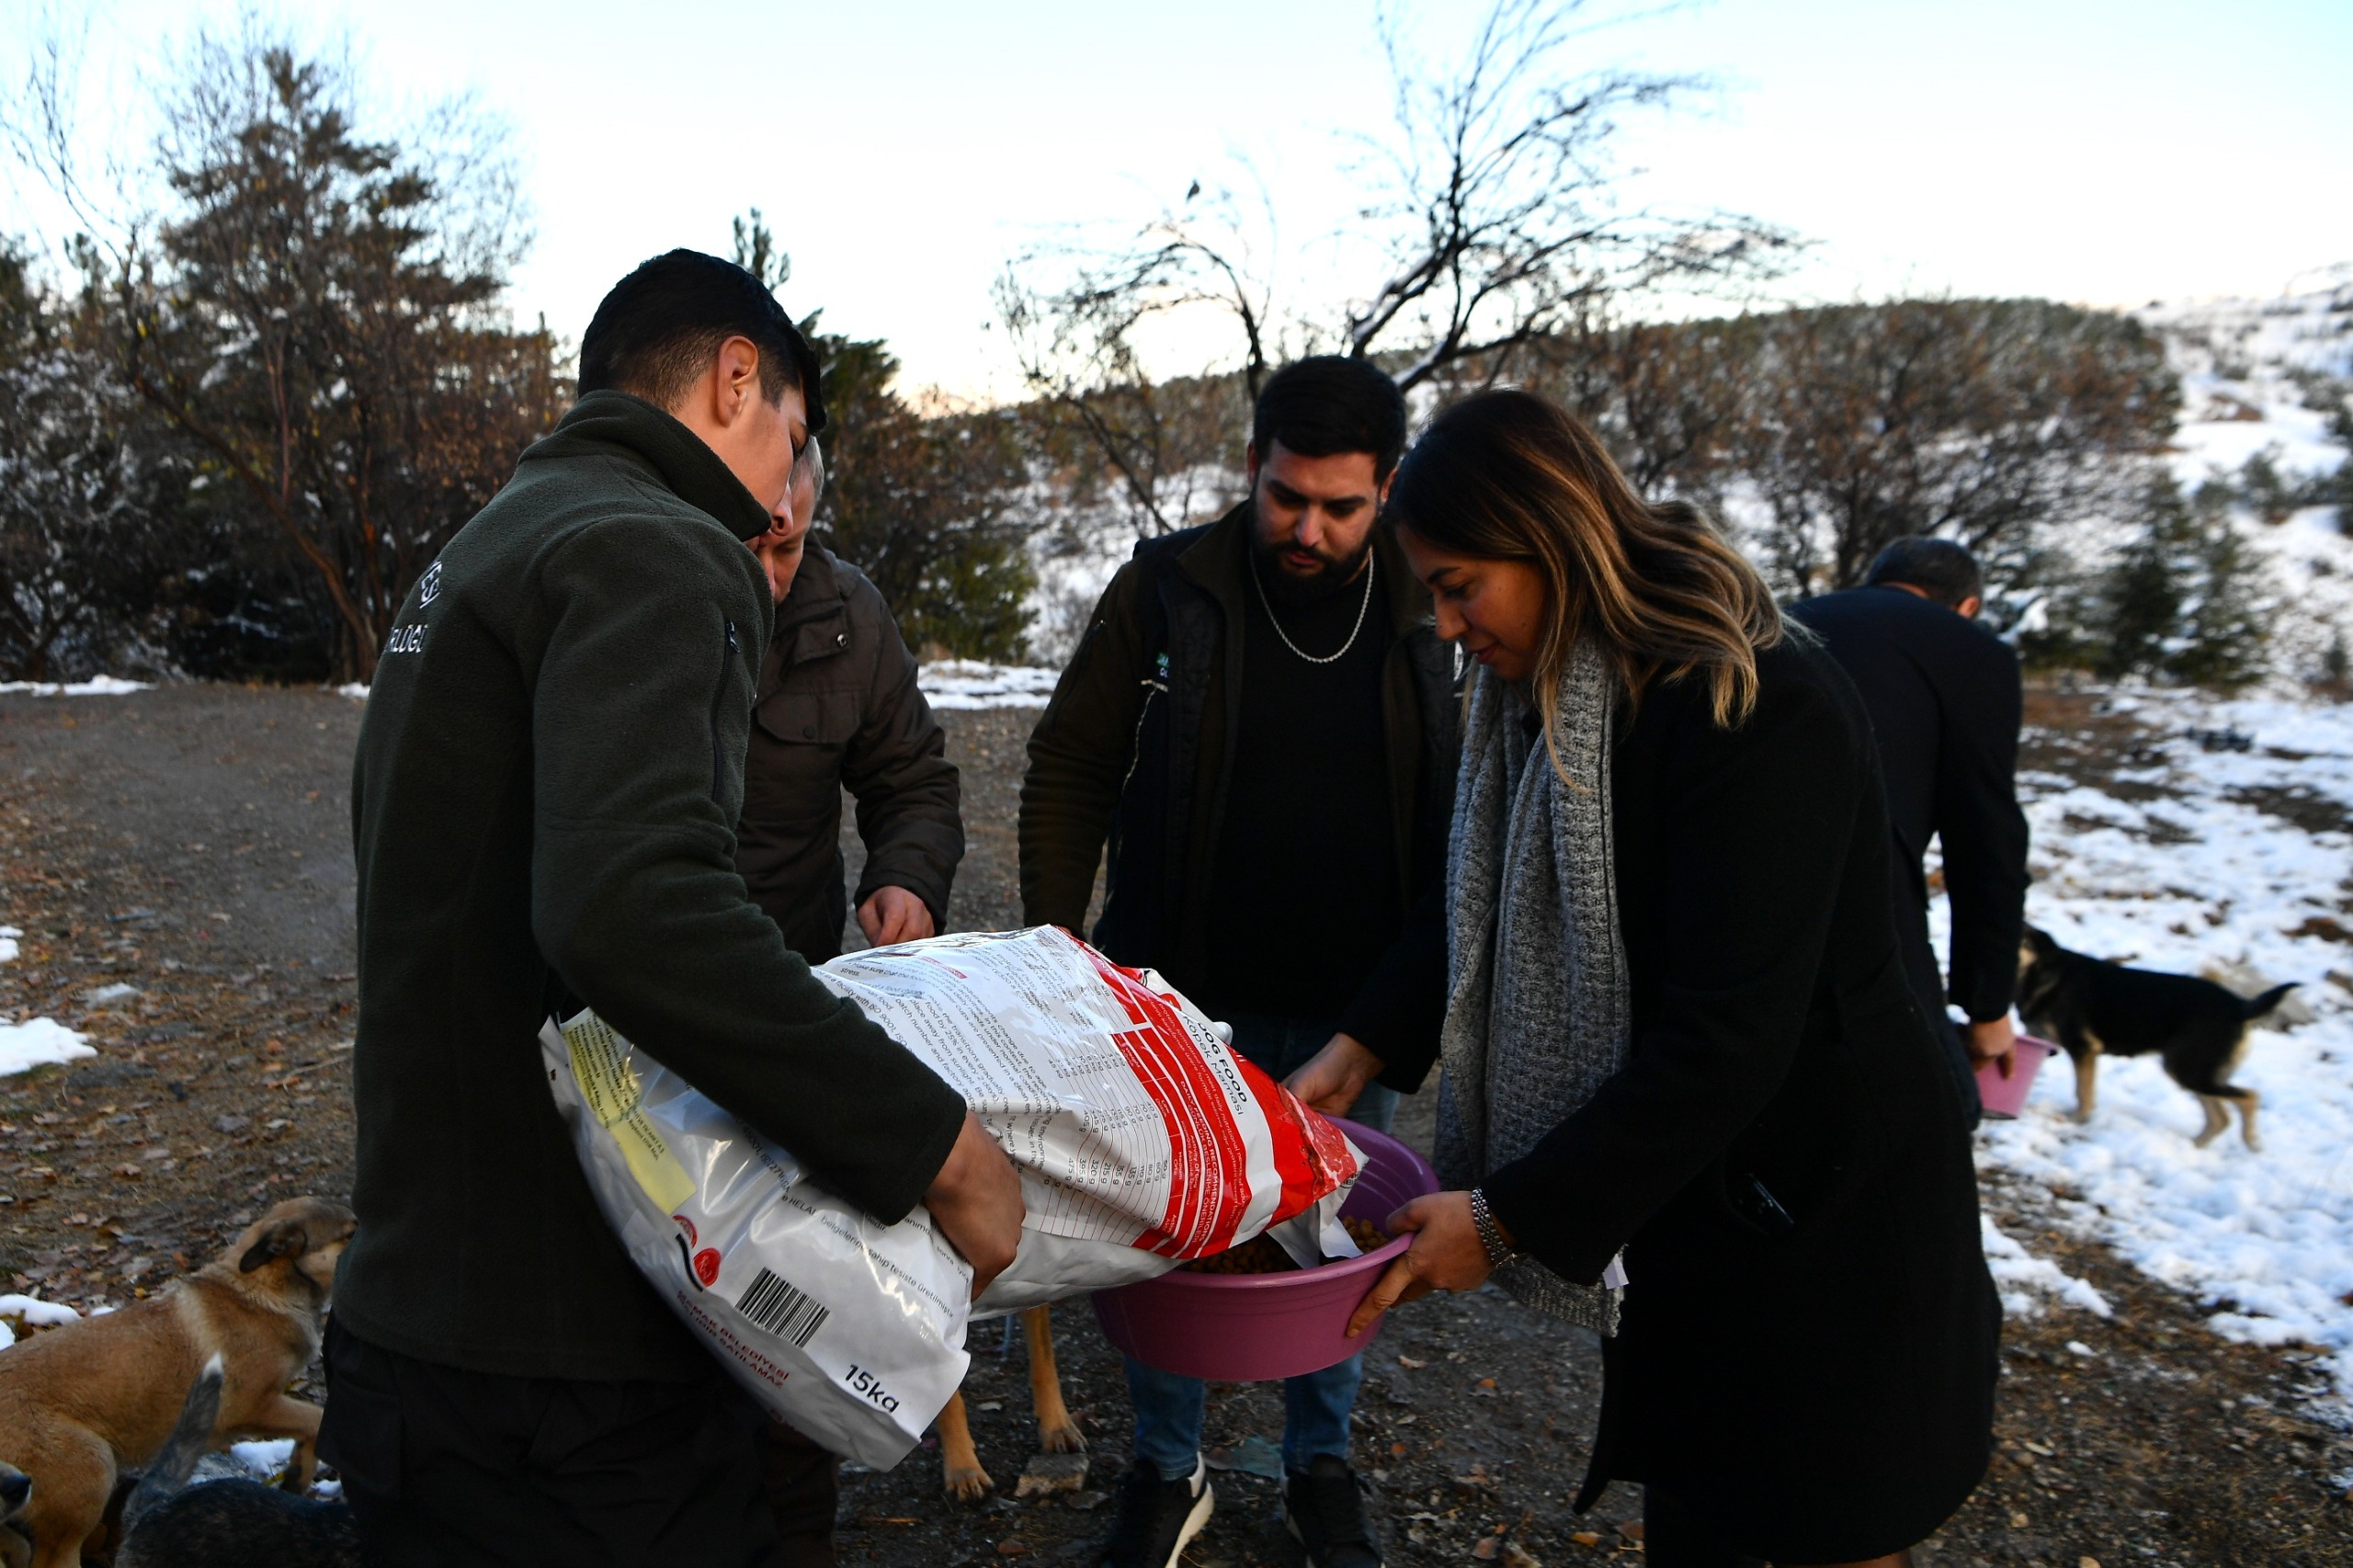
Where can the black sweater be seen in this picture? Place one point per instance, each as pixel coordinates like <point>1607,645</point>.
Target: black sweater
<point>545,791</point>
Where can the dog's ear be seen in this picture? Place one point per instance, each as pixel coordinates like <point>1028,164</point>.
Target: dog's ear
<point>287,1238</point>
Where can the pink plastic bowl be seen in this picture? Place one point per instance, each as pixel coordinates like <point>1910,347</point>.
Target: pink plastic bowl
<point>2005,1097</point>
<point>1251,1327</point>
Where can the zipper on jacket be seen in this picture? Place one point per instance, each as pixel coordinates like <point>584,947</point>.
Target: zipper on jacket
<point>1156,684</point>
<point>717,696</point>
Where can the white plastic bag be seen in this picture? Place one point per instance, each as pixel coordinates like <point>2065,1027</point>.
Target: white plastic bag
<point>1140,1138</point>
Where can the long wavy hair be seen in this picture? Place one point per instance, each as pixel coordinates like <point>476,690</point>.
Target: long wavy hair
<point>1510,476</point>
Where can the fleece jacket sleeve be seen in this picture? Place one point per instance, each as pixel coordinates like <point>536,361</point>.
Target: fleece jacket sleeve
<point>641,708</point>
<point>1763,818</point>
<point>1079,756</point>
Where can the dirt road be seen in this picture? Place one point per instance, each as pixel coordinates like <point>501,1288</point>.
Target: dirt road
<point>192,844</point>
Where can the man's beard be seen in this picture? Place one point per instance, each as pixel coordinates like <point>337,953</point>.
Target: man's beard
<point>1336,574</point>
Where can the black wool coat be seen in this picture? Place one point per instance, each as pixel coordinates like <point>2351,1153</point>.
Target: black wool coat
<point>1808,1347</point>
<point>1944,698</point>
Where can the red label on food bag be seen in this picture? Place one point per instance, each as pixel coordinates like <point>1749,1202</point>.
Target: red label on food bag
<point>1209,1189</point>
<point>1313,1160</point>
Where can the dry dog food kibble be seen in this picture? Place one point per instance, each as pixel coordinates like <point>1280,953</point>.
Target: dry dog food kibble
<point>1260,1255</point>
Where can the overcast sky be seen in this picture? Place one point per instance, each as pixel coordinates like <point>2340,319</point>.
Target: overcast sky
<point>2108,154</point>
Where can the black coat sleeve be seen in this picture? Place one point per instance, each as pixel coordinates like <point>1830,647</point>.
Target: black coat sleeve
<point>1762,820</point>
<point>908,793</point>
<point>1079,755</point>
<point>1983,832</point>
<point>639,710</point>
<point>1397,1013</point>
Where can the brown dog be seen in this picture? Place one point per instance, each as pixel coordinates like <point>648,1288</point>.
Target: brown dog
<point>83,1400</point>
<point>1057,1433</point>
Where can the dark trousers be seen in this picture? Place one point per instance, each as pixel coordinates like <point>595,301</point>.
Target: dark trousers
<point>804,1492</point>
<point>457,1469</point>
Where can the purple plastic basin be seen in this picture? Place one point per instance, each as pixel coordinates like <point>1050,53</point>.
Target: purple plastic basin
<point>2005,1097</point>
<point>1241,1328</point>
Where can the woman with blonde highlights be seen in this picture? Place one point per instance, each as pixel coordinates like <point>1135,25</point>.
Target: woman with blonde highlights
<point>1689,1101</point>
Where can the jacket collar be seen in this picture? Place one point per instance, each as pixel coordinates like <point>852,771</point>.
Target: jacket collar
<point>605,420</point>
<point>817,590</point>
<point>1220,561</point>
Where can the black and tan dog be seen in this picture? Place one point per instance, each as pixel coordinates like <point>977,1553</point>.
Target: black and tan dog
<point>84,1400</point>
<point>229,1523</point>
<point>2096,1009</point>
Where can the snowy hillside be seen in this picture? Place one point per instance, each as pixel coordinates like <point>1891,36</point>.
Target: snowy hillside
<point>2238,863</point>
<point>2244,368</point>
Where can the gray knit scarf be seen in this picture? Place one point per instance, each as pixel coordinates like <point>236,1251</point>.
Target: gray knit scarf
<point>1536,1016</point>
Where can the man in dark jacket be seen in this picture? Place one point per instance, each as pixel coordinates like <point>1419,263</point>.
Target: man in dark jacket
<point>1944,700</point>
<point>1262,724</point>
<point>837,705</point>
<point>543,803</point>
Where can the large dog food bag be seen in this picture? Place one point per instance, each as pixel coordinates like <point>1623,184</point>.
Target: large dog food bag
<point>1141,1140</point>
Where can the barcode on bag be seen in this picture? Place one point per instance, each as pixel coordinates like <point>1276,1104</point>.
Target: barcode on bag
<point>782,1309</point>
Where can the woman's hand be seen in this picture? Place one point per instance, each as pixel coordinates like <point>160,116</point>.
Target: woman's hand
<point>1335,1076</point>
<point>1447,1254</point>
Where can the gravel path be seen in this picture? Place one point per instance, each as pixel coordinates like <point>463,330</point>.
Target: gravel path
<point>192,842</point>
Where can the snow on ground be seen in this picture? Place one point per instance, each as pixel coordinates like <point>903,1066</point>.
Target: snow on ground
<point>2200,874</point>
<point>21,1312</point>
<point>37,1042</point>
<point>99,686</point>
<point>968,683</point>
<point>2023,1278</point>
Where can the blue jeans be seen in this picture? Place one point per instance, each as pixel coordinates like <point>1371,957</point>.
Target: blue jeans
<point>1315,1407</point>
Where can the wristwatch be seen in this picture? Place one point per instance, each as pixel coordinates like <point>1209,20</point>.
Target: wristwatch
<point>1491,1235</point>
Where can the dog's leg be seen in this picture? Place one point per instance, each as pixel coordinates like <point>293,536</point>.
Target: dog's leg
<point>2087,1080</point>
<point>2248,1100</point>
<point>960,1462</point>
<point>2218,1121</point>
<point>68,1508</point>
<point>283,1415</point>
<point>1057,1433</point>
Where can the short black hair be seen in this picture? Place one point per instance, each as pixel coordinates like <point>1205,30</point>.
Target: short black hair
<point>658,328</point>
<point>1944,571</point>
<point>1329,404</point>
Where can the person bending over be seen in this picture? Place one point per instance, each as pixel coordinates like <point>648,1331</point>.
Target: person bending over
<point>544,806</point>
<point>1944,700</point>
<point>1689,1101</point>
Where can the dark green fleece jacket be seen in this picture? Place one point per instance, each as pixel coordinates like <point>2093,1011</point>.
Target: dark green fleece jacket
<point>545,797</point>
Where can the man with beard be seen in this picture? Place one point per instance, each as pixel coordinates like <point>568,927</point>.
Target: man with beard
<point>1262,721</point>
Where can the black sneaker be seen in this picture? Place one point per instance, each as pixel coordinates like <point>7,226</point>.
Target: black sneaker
<point>1325,1512</point>
<point>1157,1518</point>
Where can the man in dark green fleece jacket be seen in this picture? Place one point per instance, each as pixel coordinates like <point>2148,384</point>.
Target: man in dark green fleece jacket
<point>544,807</point>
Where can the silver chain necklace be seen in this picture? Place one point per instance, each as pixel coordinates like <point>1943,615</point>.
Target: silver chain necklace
<point>1371,564</point>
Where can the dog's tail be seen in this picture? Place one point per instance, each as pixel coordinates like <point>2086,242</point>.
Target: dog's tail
<point>2255,1006</point>
<point>189,1441</point>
